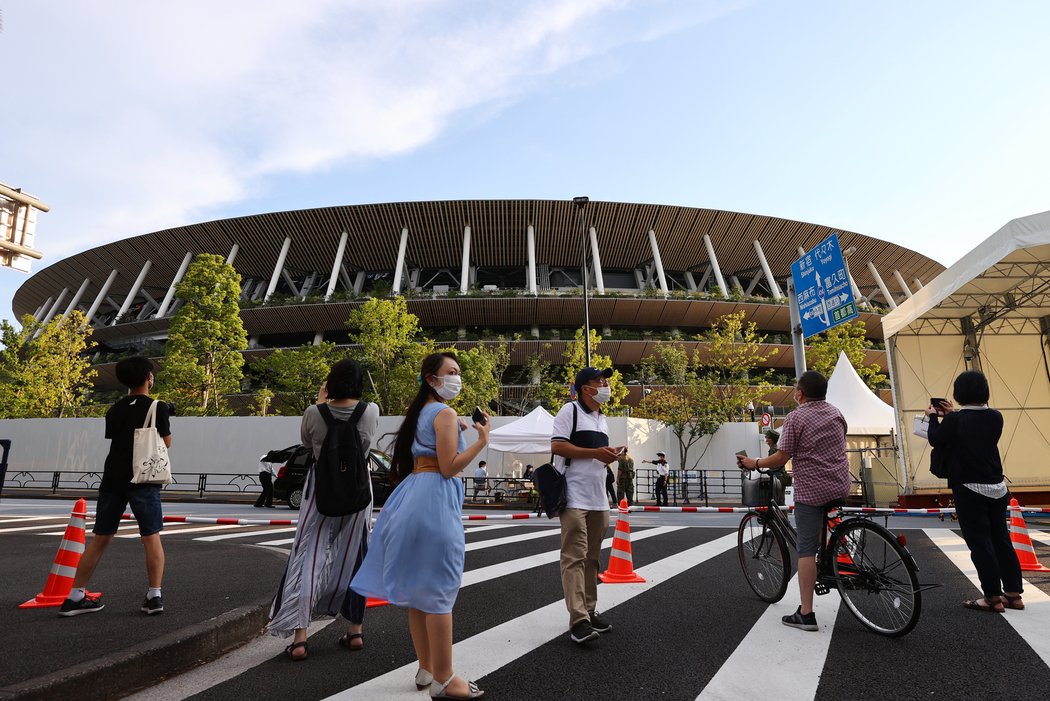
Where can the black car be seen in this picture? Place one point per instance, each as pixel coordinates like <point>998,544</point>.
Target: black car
<point>298,459</point>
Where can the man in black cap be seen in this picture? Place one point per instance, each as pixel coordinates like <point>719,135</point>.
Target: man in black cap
<point>662,471</point>
<point>580,444</point>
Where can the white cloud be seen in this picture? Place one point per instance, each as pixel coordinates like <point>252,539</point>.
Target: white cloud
<point>137,118</point>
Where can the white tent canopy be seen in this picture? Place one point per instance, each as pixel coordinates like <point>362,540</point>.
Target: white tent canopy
<point>990,311</point>
<point>529,434</point>
<point>865,413</point>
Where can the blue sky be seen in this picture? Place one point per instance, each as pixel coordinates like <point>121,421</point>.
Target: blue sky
<point>926,124</point>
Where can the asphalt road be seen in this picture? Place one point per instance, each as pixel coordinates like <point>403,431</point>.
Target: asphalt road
<point>694,630</point>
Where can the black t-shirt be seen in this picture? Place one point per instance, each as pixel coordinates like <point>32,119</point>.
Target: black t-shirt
<point>121,421</point>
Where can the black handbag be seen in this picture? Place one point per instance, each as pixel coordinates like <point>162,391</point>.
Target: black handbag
<point>550,484</point>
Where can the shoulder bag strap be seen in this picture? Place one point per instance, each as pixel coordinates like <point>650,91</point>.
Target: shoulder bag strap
<point>151,416</point>
<point>326,414</point>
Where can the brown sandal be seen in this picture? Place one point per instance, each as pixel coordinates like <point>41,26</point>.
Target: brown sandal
<point>1013,602</point>
<point>991,604</point>
<point>347,641</point>
<point>290,650</point>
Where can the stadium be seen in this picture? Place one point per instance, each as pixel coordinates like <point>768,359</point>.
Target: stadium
<point>474,270</point>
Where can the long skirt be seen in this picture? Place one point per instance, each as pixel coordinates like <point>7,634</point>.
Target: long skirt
<point>320,566</point>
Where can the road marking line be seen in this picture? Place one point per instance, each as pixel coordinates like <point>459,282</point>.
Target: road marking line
<point>33,528</point>
<point>1033,624</point>
<point>496,542</point>
<point>189,528</point>
<point>477,529</point>
<point>800,656</point>
<point>245,534</point>
<point>22,519</point>
<point>1040,536</point>
<point>497,647</point>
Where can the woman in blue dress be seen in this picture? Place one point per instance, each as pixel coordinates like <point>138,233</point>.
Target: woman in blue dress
<point>415,558</point>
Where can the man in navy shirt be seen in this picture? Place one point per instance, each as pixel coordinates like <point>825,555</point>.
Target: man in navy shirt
<point>116,491</point>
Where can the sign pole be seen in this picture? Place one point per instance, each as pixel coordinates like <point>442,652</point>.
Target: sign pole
<point>797,342</point>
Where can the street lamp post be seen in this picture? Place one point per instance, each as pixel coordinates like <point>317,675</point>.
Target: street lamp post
<point>581,204</point>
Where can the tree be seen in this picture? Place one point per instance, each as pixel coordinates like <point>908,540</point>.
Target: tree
<point>732,354</point>
<point>687,405</point>
<point>482,368</point>
<point>576,358</point>
<point>295,375</point>
<point>44,371</point>
<point>205,340</point>
<point>824,348</point>
<point>391,349</point>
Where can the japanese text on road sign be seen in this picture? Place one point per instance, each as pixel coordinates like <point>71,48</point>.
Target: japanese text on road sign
<point>822,288</point>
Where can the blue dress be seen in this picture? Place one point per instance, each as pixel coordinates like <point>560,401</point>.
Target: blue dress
<point>415,558</point>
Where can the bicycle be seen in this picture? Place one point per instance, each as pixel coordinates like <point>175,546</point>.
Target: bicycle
<point>869,566</point>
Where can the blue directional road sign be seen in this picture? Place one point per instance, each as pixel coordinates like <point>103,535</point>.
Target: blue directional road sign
<point>822,288</point>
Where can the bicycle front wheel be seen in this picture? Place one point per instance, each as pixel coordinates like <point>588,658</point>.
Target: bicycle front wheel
<point>763,557</point>
<point>875,577</point>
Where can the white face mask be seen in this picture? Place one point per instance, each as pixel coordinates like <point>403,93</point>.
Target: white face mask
<point>603,394</point>
<point>451,385</point>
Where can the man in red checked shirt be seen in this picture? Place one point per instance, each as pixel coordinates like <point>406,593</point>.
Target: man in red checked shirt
<point>814,437</point>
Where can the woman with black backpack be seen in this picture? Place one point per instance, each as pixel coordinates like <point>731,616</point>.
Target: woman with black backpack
<point>327,550</point>
<point>416,556</point>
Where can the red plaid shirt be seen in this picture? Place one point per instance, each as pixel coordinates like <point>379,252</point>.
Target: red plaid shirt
<point>814,435</point>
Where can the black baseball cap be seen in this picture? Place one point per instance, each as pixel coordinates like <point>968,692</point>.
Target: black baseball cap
<point>661,454</point>
<point>587,374</point>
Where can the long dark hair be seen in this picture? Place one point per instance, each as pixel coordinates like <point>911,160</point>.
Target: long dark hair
<point>402,461</point>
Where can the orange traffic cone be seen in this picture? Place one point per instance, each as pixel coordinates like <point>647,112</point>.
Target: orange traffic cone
<point>371,603</point>
<point>621,566</point>
<point>60,580</point>
<point>1022,543</point>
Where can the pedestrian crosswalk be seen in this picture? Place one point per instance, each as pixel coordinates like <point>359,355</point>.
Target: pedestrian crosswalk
<point>693,630</point>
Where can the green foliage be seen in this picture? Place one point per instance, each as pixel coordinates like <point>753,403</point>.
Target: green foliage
<point>43,369</point>
<point>576,358</point>
<point>733,353</point>
<point>205,340</point>
<point>687,404</point>
<point>296,374</point>
<point>391,349</point>
<point>262,402</point>
<point>482,368</point>
<point>824,348</point>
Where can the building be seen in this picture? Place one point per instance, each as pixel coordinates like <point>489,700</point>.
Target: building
<point>472,269</point>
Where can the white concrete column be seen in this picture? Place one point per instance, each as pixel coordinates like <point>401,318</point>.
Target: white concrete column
<point>531,244</point>
<point>770,280</point>
<point>279,268</point>
<point>76,298</point>
<point>100,297</point>
<point>43,308</point>
<point>290,282</point>
<point>900,281</point>
<point>690,281</point>
<point>918,284</point>
<point>333,280</point>
<point>596,261</point>
<point>714,266</point>
<point>399,267</point>
<point>318,338</point>
<point>359,282</point>
<point>464,275</point>
<point>656,260</point>
<point>54,307</point>
<point>133,292</point>
<point>882,285</point>
<point>170,294</point>
<point>801,251</point>
<point>233,254</point>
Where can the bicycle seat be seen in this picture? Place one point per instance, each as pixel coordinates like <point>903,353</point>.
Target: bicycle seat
<point>834,504</point>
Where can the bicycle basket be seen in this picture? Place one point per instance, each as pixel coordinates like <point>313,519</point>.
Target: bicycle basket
<point>757,489</point>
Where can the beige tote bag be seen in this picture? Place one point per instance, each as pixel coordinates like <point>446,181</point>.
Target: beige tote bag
<point>149,461</point>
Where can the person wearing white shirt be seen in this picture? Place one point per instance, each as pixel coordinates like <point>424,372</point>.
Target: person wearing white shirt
<point>580,444</point>
<point>480,479</point>
<point>662,471</point>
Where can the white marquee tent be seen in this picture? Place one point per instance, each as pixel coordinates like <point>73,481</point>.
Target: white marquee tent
<point>990,312</point>
<point>529,434</point>
<point>865,413</point>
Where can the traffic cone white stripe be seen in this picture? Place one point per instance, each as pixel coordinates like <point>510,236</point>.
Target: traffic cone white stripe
<point>73,546</point>
<point>63,570</point>
<point>622,554</point>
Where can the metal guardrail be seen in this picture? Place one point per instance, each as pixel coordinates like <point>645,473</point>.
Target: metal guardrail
<point>183,482</point>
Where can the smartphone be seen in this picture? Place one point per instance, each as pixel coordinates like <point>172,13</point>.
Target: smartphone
<point>935,402</point>
<point>479,416</point>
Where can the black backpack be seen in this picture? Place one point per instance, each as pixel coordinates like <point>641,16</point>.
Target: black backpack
<point>550,483</point>
<point>342,484</point>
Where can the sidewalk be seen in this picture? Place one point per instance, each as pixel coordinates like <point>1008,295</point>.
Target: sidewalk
<point>216,597</point>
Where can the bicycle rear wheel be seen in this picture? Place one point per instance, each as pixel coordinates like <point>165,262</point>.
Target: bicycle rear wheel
<point>763,557</point>
<point>876,577</point>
